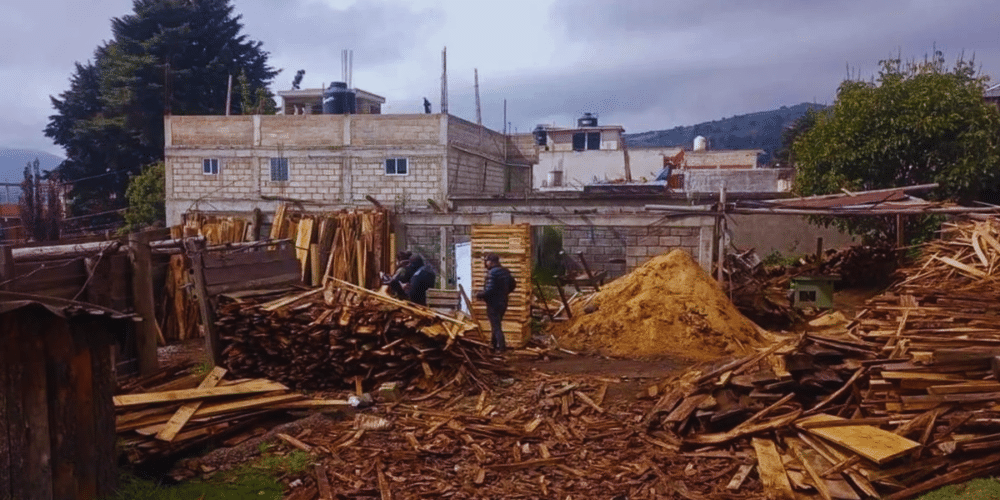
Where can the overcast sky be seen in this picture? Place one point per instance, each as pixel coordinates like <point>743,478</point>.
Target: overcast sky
<point>646,65</point>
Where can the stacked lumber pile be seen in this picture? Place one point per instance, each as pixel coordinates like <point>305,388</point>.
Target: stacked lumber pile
<point>903,403</point>
<point>512,243</point>
<point>350,245</point>
<point>217,230</point>
<point>156,419</point>
<point>345,336</point>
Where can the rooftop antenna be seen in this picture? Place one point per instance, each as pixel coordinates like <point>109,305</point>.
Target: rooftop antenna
<point>444,81</point>
<point>479,110</point>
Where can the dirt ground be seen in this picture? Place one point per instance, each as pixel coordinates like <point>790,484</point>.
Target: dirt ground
<point>534,374</point>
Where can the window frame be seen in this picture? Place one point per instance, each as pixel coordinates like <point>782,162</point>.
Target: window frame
<point>395,167</point>
<point>279,163</point>
<point>214,169</point>
<point>593,141</point>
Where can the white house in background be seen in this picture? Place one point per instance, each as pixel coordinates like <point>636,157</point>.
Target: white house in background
<point>571,159</point>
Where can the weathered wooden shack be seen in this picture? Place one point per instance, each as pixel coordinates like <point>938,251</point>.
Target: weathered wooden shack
<point>57,428</point>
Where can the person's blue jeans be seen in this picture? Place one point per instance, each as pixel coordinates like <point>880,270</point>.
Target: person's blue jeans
<point>495,314</point>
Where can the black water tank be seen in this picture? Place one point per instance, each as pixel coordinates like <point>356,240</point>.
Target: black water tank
<point>588,120</point>
<point>541,135</point>
<point>338,99</point>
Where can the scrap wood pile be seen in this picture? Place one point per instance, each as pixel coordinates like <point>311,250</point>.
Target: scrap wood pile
<point>552,437</point>
<point>760,291</point>
<point>175,411</point>
<point>346,336</point>
<point>902,404</point>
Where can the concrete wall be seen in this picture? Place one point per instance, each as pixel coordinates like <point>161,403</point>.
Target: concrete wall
<point>477,164</point>
<point>648,162</point>
<point>740,158</point>
<point>579,167</point>
<point>758,180</point>
<point>334,161</point>
<point>633,245</point>
<point>629,239</point>
<point>785,234</point>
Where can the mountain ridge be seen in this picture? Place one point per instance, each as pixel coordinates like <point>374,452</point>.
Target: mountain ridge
<point>757,130</point>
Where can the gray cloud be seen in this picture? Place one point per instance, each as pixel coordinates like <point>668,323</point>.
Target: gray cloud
<point>310,36</point>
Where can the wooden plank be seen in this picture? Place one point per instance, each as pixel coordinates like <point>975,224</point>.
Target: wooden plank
<point>323,483</point>
<point>741,475</point>
<point>7,363</point>
<point>184,413</point>
<point>966,387</point>
<point>33,391</point>
<point>70,413</point>
<point>252,387</point>
<point>685,408</point>
<point>771,470</point>
<point>196,252</point>
<point>870,442</point>
<point>283,401</point>
<point>814,465</point>
<point>143,301</point>
<point>102,413</point>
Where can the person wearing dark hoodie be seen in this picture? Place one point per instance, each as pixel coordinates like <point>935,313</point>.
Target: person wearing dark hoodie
<point>422,280</point>
<point>497,287</point>
<point>404,271</point>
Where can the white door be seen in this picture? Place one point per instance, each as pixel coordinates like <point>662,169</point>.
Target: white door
<point>463,270</point>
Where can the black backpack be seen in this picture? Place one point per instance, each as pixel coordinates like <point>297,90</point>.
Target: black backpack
<point>513,283</point>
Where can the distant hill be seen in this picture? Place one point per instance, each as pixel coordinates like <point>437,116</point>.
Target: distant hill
<point>12,162</point>
<point>761,130</point>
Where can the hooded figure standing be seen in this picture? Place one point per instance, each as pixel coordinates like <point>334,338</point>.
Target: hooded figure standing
<point>422,280</point>
<point>497,287</point>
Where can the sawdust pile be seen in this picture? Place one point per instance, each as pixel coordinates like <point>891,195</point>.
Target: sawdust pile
<point>667,307</point>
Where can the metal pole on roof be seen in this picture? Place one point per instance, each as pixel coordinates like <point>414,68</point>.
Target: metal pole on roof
<point>444,81</point>
<point>479,110</point>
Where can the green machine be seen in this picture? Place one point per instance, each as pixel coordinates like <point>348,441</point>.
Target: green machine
<point>813,291</point>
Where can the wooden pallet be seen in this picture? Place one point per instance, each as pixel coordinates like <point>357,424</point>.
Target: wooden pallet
<point>513,244</point>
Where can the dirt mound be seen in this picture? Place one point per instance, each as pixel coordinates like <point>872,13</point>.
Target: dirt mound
<point>667,307</point>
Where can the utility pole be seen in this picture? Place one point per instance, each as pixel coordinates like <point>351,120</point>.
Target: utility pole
<point>479,110</point>
<point>229,94</point>
<point>444,81</point>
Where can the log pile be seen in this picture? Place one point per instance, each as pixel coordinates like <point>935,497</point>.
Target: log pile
<point>345,336</point>
<point>176,411</point>
<point>903,403</point>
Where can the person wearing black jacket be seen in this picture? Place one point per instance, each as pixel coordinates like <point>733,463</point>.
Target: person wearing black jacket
<point>498,285</point>
<point>404,271</point>
<point>422,280</point>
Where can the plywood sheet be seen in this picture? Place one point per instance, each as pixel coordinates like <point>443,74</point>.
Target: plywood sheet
<point>868,441</point>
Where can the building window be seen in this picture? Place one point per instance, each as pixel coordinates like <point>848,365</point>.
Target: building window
<point>210,166</point>
<point>279,169</point>
<point>593,140</point>
<point>396,166</point>
<point>586,141</point>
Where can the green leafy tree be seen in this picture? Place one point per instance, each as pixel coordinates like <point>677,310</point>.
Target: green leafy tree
<point>40,207</point>
<point>146,196</point>
<point>915,123</point>
<point>167,56</point>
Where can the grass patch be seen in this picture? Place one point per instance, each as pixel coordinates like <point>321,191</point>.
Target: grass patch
<point>258,480</point>
<point>977,489</point>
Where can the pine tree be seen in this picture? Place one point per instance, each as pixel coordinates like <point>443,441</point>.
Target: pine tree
<point>167,56</point>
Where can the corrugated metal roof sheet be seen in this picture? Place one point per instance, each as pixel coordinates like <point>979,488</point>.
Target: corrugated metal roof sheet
<point>993,91</point>
<point>63,308</point>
